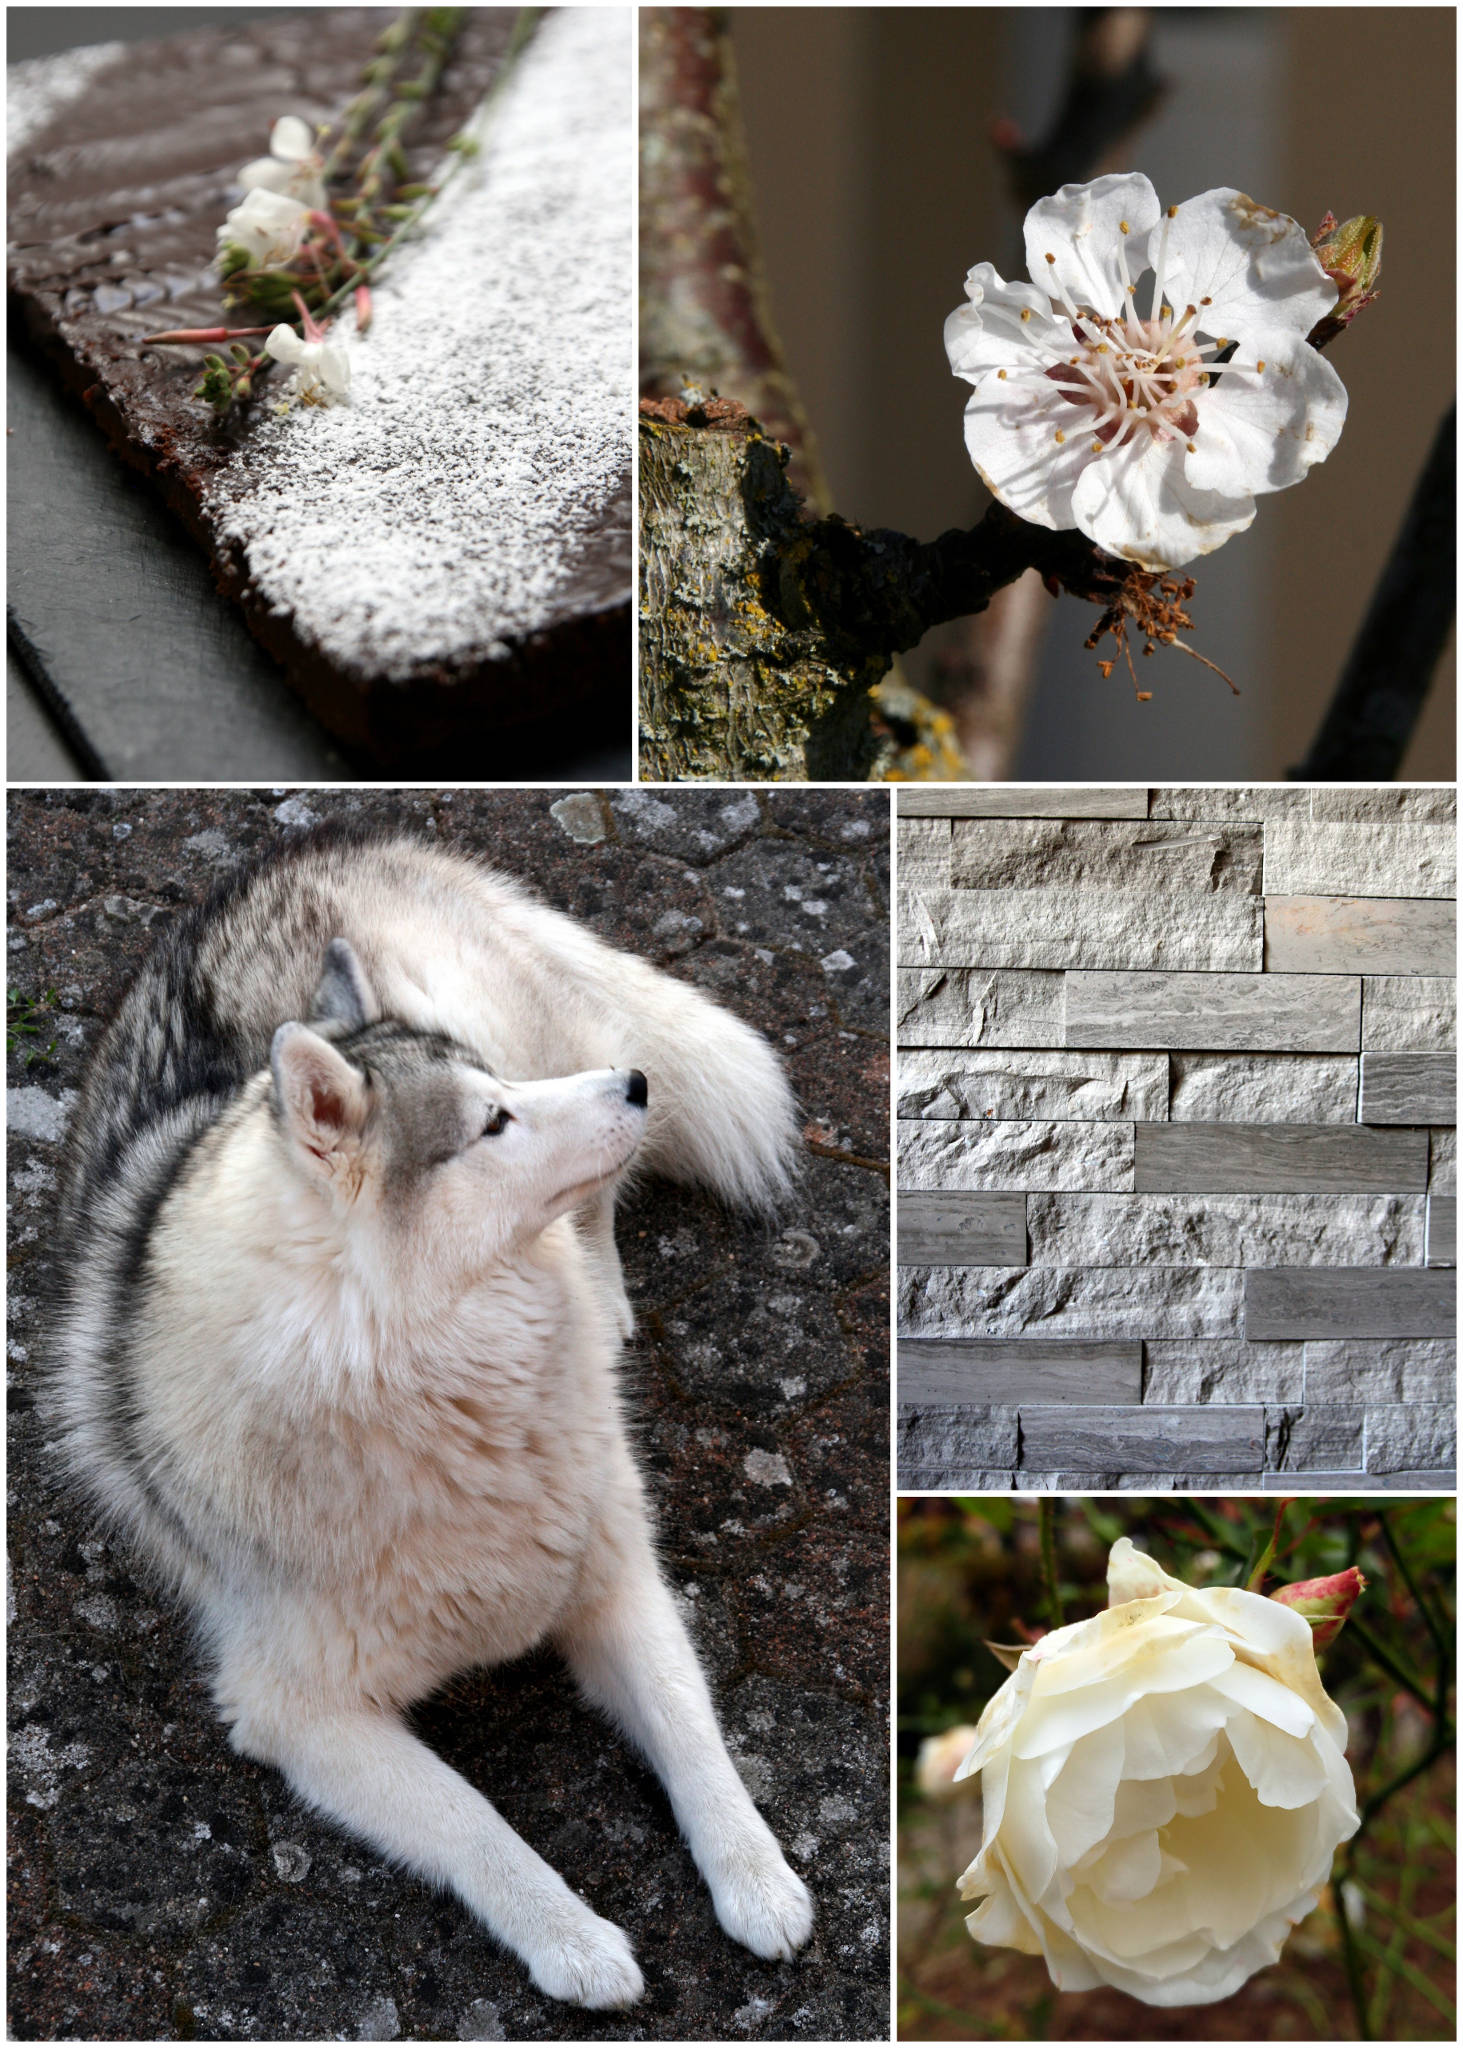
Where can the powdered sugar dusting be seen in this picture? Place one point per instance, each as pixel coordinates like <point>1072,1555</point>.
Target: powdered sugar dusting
<point>441,513</point>
<point>39,87</point>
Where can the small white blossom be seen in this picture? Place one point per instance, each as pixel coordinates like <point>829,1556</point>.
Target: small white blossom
<point>322,373</point>
<point>269,226</point>
<point>1086,414</point>
<point>292,166</point>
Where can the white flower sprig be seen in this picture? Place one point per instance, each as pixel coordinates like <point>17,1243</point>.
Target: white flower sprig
<point>1151,429</point>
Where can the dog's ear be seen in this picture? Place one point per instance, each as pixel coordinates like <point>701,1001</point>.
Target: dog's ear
<point>344,995</point>
<point>322,1100</point>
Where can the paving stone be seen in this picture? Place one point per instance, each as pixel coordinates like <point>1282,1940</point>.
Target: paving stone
<point>1223,1369</point>
<point>951,1229</point>
<point>1313,1438</point>
<point>1276,1158</point>
<point>1005,800</point>
<point>970,1006</point>
<point>1179,860</point>
<point>1214,1012</point>
<point>1353,1369</point>
<point>941,1436</point>
<point>1422,805</point>
<point>1256,1230</point>
<point>1409,1013</point>
<point>1230,803</point>
<point>1035,1086</point>
<point>1070,1301</point>
<point>1061,927</point>
<point>1359,935</point>
<point>1015,1156</point>
<point>1442,1230</point>
<point>1144,1439</point>
<point>1007,1372</point>
<point>1327,859</point>
<point>1329,1301</point>
<point>1414,1436</point>
<point>1262,1088</point>
<point>1409,1087</point>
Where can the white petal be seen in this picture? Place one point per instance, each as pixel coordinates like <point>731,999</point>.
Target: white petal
<point>285,345</point>
<point>1260,1694</point>
<point>1256,267</point>
<point>1013,444</point>
<point>989,333</point>
<point>264,174</point>
<point>1284,1770</point>
<point>335,370</point>
<point>1081,227</point>
<point>1261,431</point>
<point>1079,1805</point>
<point>291,138</point>
<point>1166,1736</point>
<point>1137,504</point>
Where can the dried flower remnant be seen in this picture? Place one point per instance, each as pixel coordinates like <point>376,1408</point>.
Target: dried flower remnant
<point>1151,432</point>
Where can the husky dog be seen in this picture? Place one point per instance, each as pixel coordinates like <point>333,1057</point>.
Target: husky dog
<point>339,1349</point>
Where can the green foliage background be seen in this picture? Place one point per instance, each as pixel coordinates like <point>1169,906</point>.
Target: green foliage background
<point>971,1571</point>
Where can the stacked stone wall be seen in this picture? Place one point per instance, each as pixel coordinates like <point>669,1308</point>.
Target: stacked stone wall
<point>1177,1161</point>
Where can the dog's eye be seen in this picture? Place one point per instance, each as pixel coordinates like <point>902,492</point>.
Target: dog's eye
<point>498,1121</point>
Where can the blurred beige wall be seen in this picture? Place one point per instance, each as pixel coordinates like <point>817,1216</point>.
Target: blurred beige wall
<point>869,140</point>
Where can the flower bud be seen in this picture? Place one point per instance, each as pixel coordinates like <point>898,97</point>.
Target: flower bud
<point>940,1757</point>
<point>1350,253</point>
<point>1324,1603</point>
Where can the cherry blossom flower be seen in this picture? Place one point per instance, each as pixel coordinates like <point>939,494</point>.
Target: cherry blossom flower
<point>292,166</point>
<point>322,373</point>
<point>1150,432</point>
<point>267,226</point>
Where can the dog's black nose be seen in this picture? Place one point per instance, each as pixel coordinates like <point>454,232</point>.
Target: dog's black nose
<point>636,1089</point>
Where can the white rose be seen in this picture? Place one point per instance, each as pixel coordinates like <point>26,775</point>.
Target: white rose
<point>1164,1790</point>
<point>939,1760</point>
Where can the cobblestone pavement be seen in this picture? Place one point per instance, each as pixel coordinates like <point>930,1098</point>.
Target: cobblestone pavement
<point>163,1889</point>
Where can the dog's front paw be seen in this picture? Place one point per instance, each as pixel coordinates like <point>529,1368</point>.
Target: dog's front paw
<point>590,1963</point>
<point>762,1904</point>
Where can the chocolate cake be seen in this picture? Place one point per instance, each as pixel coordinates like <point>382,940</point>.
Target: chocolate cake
<point>450,552</point>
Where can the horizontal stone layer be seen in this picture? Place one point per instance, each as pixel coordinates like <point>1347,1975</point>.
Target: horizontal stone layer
<point>1222,1369</point>
<point>1015,1157</point>
<point>957,1434</point>
<point>1361,1482</point>
<point>972,1006</point>
<point>1058,1086</point>
<point>1409,1088</point>
<point>1294,1159</point>
<point>1263,1088</point>
<point>1359,935</point>
<point>1424,806</point>
<point>1223,1230</point>
<point>1156,1439</point>
<point>1214,1012</point>
<point>1011,1371</point>
<point>1003,800</point>
<point>1409,1013</point>
<point>1056,927</point>
<point>954,1229</point>
<point>1412,1436</point>
<point>1313,1438</point>
<point>1361,1370</point>
<point>1305,858</point>
<point>1186,859</point>
<point>1073,1301</point>
<point>1442,1230</point>
<point>1329,1301</point>
<point>1259,802</point>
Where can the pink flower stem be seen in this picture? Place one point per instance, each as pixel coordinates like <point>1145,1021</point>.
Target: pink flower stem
<point>313,330</point>
<point>180,334</point>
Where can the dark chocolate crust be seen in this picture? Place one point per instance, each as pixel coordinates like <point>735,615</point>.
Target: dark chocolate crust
<point>114,204</point>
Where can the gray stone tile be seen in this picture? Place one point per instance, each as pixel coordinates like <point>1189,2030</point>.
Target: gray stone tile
<point>941,1438</point>
<point>937,1157</point>
<point>1415,1436</point>
<point>1313,1438</point>
<point>955,1229</point>
<point>1214,1012</point>
<point>1263,1088</point>
<point>1005,800</point>
<point>1281,801</point>
<point>1329,1301</point>
<point>1442,1169</point>
<point>1222,1369</point>
<point>1409,1013</point>
<point>1423,806</point>
<point>1277,1158</point>
<point>1327,859</point>
<point>1320,1482</point>
<point>972,1006</point>
<point>1010,1372</point>
<point>1065,1087</point>
<point>1180,860</point>
<point>1071,1301</point>
<point>1442,1230</point>
<point>1060,927</point>
<point>924,850</point>
<point>1409,1088</point>
<point>1144,1439</point>
<point>1359,935</point>
<point>1361,1371</point>
<point>1229,1230</point>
